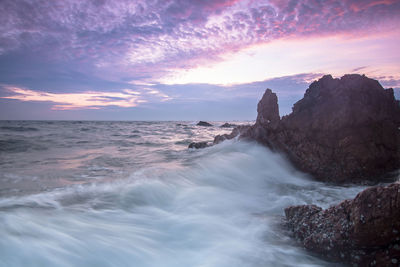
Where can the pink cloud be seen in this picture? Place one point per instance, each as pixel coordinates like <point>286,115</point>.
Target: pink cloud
<point>84,100</point>
<point>358,6</point>
<point>146,40</point>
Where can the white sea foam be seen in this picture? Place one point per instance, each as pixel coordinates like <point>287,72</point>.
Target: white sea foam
<point>221,207</point>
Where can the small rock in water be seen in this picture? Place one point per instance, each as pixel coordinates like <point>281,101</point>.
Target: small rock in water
<point>198,145</point>
<point>203,123</point>
<point>228,125</point>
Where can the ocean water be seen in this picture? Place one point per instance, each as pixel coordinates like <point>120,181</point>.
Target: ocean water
<point>132,194</point>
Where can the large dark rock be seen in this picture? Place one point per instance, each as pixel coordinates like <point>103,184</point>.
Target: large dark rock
<point>343,130</point>
<point>364,231</point>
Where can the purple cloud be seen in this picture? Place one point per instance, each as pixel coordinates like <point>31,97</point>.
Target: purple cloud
<point>78,55</point>
<point>148,38</point>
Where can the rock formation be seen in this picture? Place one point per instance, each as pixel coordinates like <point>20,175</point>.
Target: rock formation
<point>203,123</point>
<point>343,130</point>
<point>238,130</point>
<point>364,231</point>
<point>198,145</point>
<point>268,110</point>
<point>220,138</point>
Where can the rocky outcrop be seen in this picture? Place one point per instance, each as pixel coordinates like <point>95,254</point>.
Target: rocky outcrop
<point>343,130</point>
<point>203,123</point>
<point>268,110</point>
<point>237,131</point>
<point>364,231</point>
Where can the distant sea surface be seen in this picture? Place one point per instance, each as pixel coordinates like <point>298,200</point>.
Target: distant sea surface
<point>90,193</point>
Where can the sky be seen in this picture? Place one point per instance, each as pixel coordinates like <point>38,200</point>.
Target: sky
<point>184,59</point>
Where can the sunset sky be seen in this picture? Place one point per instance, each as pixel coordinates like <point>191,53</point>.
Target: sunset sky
<point>182,59</point>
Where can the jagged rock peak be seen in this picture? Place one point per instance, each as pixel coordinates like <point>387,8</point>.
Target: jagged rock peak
<point>348,82</point>
<point>268,110</point>
<point>335,103</point>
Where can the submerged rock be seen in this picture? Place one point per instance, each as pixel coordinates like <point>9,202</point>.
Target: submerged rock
<point>227,125</point>
<point>343,130</point>
<point>364,231</point>
<point>203,123</point>
<point>198,145</point>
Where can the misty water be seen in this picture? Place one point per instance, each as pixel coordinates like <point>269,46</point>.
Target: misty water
<point>132,194</point>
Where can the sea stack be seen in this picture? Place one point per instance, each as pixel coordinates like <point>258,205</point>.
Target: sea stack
<point>343,130</point>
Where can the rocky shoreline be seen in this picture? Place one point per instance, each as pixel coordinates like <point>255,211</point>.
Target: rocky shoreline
<point>344,130</point>
<point>364,231</point>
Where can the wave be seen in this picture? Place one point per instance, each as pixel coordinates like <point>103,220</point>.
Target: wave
<point>18,128</point>
<point>222,207</point>
<point>19,145</point>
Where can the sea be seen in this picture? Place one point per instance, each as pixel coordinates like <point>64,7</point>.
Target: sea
<point>131,193</point>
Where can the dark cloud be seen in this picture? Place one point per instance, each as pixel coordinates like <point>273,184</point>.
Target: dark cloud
<point>359,68</point>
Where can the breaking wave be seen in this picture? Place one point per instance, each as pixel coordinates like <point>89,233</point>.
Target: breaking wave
<point>222,206</point>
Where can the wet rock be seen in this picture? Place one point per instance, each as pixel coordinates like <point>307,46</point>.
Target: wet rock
<point>343,130</point>
<point>203,123</point>
<point>227,125</point>
<point>237,131</point>
<point>198,145</point>
<point>362,231</point>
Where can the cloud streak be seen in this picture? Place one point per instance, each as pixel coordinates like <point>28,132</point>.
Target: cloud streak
<point>84,100</point>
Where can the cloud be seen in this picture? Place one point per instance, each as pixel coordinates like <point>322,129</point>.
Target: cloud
<point>389,81</point>
<point>336,55</point>
<point>162,101</point>
<point>359,68</point>
<point>95,54</point>
<point>84,100</point>
<point>178,98</point>
<point>146,40</point>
